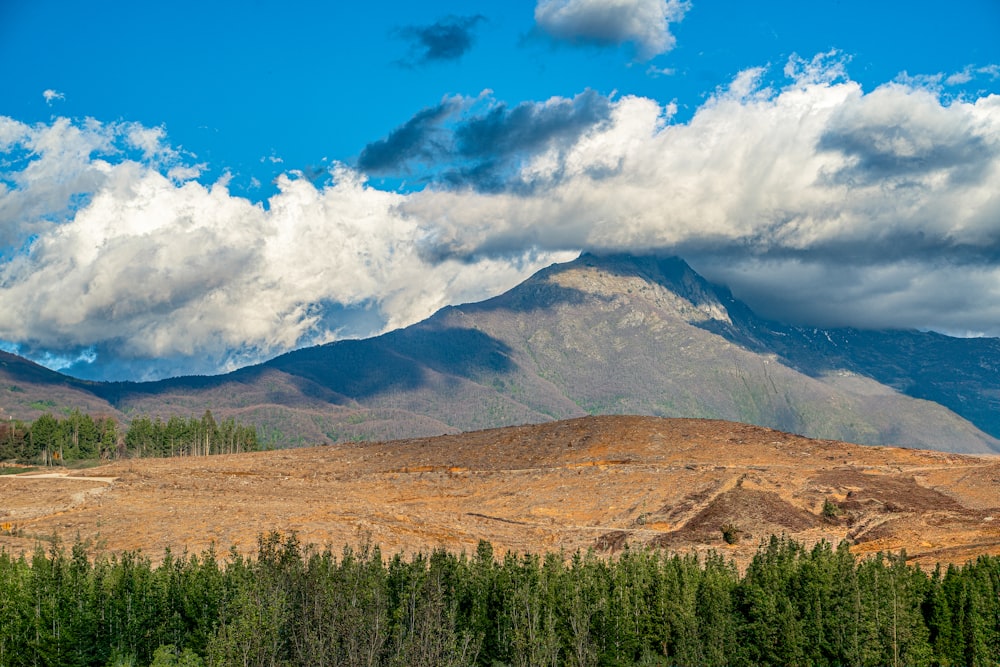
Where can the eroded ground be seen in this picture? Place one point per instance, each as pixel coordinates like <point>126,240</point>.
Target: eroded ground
<point>595,482</point>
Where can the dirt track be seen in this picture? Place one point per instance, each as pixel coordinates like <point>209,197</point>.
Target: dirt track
<point>592,482</point>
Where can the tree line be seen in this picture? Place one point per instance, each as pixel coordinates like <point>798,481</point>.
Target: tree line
<point>77,437</point>
<point>291,605</point>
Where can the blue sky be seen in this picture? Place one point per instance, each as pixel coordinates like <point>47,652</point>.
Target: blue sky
<point>190,187</point>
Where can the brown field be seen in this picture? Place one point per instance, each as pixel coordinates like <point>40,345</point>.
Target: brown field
<point>595,482</point>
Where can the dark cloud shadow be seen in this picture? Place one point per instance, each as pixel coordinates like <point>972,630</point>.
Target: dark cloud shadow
<point>901,152</point>
<point>482,150</point>
<point>449,38</point>
<point>416,139</point>
<point>530,125</point>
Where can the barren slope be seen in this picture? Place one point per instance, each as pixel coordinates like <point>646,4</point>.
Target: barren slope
<point>590,482</point>
<point>28,391</point>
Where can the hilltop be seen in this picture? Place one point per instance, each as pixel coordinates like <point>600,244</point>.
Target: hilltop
<point>593,482</point>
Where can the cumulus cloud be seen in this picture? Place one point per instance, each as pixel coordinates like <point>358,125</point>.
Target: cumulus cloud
<point>150,276</point>
<point>816,194</point>
<point>477,142</point>
<point>50,168</point>
<point>817,201</point>
<point>418,139</point>
<point>51,96</point>
<point>644,23</point>
<point>447,39</point>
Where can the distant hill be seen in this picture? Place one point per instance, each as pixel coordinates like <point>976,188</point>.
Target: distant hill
<point>605,335</point>
<point>28,390</point>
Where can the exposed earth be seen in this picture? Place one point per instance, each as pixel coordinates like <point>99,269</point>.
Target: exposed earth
<point>593,482</point>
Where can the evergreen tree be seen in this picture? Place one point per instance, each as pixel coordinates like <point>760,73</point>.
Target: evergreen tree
<point>45,438</point>
<point>715,613</point>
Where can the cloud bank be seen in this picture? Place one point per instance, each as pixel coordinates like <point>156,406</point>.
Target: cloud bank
<point>644,23</point>
<point>816,201</point>
<point>819,202</point>
<point>106,256</point>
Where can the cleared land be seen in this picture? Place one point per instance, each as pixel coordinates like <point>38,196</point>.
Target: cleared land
<point>596,482</point>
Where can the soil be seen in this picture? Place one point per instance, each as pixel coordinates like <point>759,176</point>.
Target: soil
<point>596,482</point>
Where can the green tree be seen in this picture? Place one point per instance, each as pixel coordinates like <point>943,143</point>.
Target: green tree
<point>772,630</point>
<point>45,437</point>
<point>109,439</point>
<point>715,612</point>
<point>168,655</point>
<point>141,437</point>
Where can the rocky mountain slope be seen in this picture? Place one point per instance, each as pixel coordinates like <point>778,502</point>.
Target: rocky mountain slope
<point>593,482</point>
<point>607,335</point>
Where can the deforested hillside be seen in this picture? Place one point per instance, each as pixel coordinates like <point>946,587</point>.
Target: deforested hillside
<point>689,485</point>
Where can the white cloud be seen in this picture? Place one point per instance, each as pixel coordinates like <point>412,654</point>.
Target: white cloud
<point>180,173</point>
<point>821,68</point>
<point>153,267</point>
<point>149,140</point>
<point>655,72</point>
<point>818,201</point>
<point>958,78</point>
<point>646,23</point>
<point>51,166</point>
<point>813,195</point>
<point>52,95</point>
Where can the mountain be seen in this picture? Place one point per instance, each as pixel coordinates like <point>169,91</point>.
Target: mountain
<point>600,335</point>
<point>28,390</point>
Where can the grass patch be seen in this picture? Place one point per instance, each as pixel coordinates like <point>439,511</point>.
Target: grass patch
<point>15,470</point>
<point>83,464</point>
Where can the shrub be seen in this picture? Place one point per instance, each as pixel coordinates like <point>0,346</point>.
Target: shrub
<point>830,509</point>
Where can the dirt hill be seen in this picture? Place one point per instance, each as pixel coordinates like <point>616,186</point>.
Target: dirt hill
<point>599,482</point>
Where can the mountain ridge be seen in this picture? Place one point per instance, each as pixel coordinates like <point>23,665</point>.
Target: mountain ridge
<point>612,334</point>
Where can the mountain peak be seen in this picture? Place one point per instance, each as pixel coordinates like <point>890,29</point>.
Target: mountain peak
<point>668,280</point>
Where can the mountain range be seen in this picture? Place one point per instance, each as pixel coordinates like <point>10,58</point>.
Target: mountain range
<point>615,334</point>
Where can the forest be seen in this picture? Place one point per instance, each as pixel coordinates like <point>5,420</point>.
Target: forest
<point>296,605</point>
<point>50,440</point>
